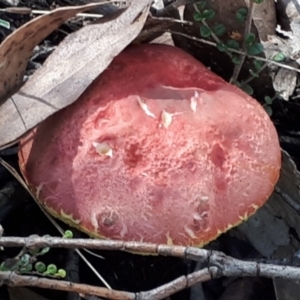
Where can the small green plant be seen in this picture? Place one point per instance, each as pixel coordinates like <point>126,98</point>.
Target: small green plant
<point>241,14</point>
<point>232,47</point>
<point>26,262</point>
<point>219,30</point>
<point>50,270</point>
<point>205,31</point>
<point>40,267</point>
<point>245,87</point>
<point>68,234</point>
<point>201,5</point>
<point>279,57</point>
<point>268,104</point>
<point>253,47</point>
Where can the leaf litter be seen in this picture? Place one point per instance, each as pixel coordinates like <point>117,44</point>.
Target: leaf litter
<point>17,48</point>
<point>69,70</point>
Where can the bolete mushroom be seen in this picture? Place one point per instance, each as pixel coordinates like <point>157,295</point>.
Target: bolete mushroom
<point>157,149</point>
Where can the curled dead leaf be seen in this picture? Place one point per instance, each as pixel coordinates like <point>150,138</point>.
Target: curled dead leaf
<point>69,70</point>
<point>17,48</point>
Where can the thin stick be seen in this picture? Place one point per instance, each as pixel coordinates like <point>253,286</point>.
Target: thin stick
<point>238,67</point>
<point>217,265</point>
<point>14,279</point>
<point>165,290</point>
<point>203,41</point>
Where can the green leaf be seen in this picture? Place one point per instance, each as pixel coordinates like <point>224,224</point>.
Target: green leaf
<point>221,47</point>
<point>253,73</point>
<point>241,14</point>
<point>205,31</point>
<point>34,252</point>
<point>25,259</point>
<point>201,5</point>
<point>219,29</point>
<point>268,110</point>
<point>3,267</point>
<point>40,267</point>
<point>208,14</point>
<point>68,234</point>
<point>255,49</point>
<point>197,16</point>
<point>232,44</point>
<point>237,83</point>
<point>27,268</point>
<point>236,59</point>
<point>44,251</point>
<point>12,264</point>
<point>51,269</point>
<point>250,38</point>
<point>247,89</point>
<point>258,64</point>
<point>61,273</point>
<point>268,100</point>
<point>279,57</point>
<point>258,1</point>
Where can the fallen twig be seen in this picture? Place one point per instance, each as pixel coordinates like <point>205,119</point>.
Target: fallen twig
<point>218,265</point>
<point>14,279</point>
<point>213,44</point>
<point>227,266</point>
<point>238,67</point>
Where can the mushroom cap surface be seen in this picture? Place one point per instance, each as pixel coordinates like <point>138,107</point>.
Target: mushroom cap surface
<point>157,149</point>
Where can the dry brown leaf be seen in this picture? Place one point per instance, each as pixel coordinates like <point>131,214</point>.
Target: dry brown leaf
<point>165,38</point>
<point>17,48</point>
<point>264,18</point>
<point>69,70</point>
<point>285,81</point>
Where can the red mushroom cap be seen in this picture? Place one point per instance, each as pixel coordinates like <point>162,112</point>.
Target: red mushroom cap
<point>158,149</point>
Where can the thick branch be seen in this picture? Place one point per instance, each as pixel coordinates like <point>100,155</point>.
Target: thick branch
<point>13,279</point>
<point>218,265</point>
<point>227,266</point>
